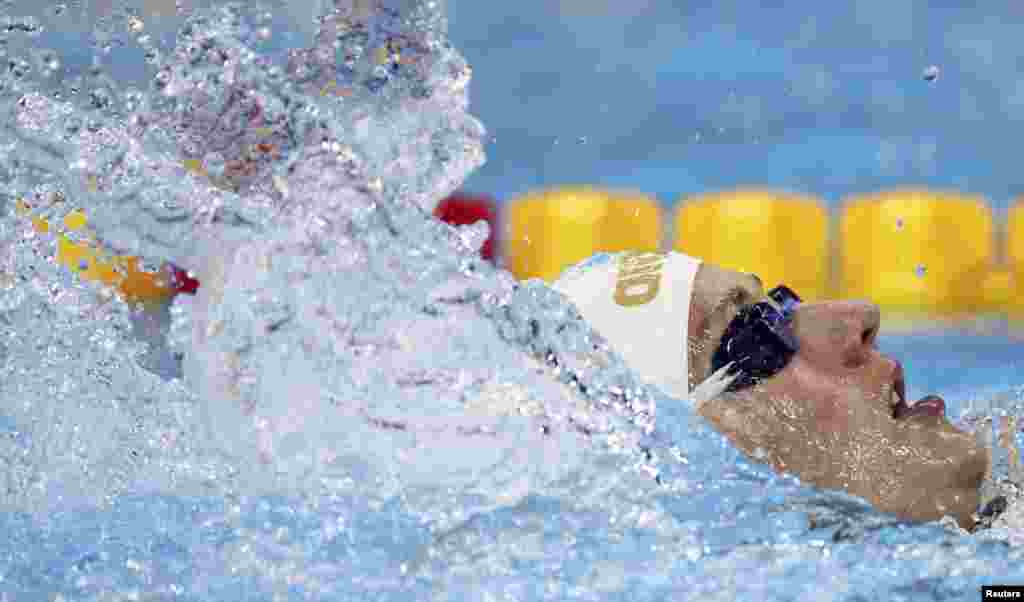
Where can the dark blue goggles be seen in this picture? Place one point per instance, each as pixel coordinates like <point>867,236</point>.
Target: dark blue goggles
<point>759,341</point>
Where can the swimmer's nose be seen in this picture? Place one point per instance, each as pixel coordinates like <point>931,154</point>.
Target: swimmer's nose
<point>868,317</point>
<point>899,385</point>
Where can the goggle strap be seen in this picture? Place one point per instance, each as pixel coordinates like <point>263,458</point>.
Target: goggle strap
<point>713,386</point>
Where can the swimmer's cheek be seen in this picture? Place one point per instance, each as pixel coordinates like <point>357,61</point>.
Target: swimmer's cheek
<point>972,471</point>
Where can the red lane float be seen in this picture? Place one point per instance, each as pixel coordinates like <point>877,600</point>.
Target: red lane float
<point>461,209</point>
<point>181,282</point>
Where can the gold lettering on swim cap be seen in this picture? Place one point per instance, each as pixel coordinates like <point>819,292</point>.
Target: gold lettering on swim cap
<point>639,278</point>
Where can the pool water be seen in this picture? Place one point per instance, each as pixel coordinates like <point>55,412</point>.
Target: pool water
<point>364,410</point>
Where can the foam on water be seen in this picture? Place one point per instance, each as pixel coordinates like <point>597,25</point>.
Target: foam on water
<point>366,408</point>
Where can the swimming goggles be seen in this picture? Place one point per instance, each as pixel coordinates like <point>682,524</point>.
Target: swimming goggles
<point>759,341</point>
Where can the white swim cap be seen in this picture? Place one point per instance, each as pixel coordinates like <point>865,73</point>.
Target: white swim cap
<point>640,303</point>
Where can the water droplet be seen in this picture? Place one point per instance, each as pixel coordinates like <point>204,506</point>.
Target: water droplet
<point>214,164</point>
<point>135,24</point>
<point>581,140</point>
<point>194,52</point>
<point>49,60</point>
<point>162,78</point>
<point>930,73</point>
<point>133,99</point>
<point>19,68</point>
<point>99,98</point>
<point>150,266</point>
<point>474,236</point>
<point>920,270</point>
<point>72,125</point>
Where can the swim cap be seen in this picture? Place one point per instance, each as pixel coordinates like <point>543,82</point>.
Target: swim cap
<point>640,303</point>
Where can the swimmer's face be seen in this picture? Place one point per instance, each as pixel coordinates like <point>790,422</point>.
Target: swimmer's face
<point>835,415</point>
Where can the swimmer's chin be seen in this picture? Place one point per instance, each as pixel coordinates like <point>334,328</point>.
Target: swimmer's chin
<point>960,503</point>
<point>960,498</point>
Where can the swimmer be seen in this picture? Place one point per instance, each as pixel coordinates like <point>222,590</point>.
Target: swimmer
<point>801,386</point>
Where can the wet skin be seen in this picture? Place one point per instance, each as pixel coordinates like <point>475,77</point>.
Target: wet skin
<point>836,416</point>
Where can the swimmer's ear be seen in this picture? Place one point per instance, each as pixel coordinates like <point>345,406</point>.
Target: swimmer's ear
<point>713,386</point>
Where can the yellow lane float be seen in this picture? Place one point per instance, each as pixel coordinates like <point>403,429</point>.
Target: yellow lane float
<point>919,252</point>
<point>87,260</point>
<point>781,237</point>
<point>548,231</point>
